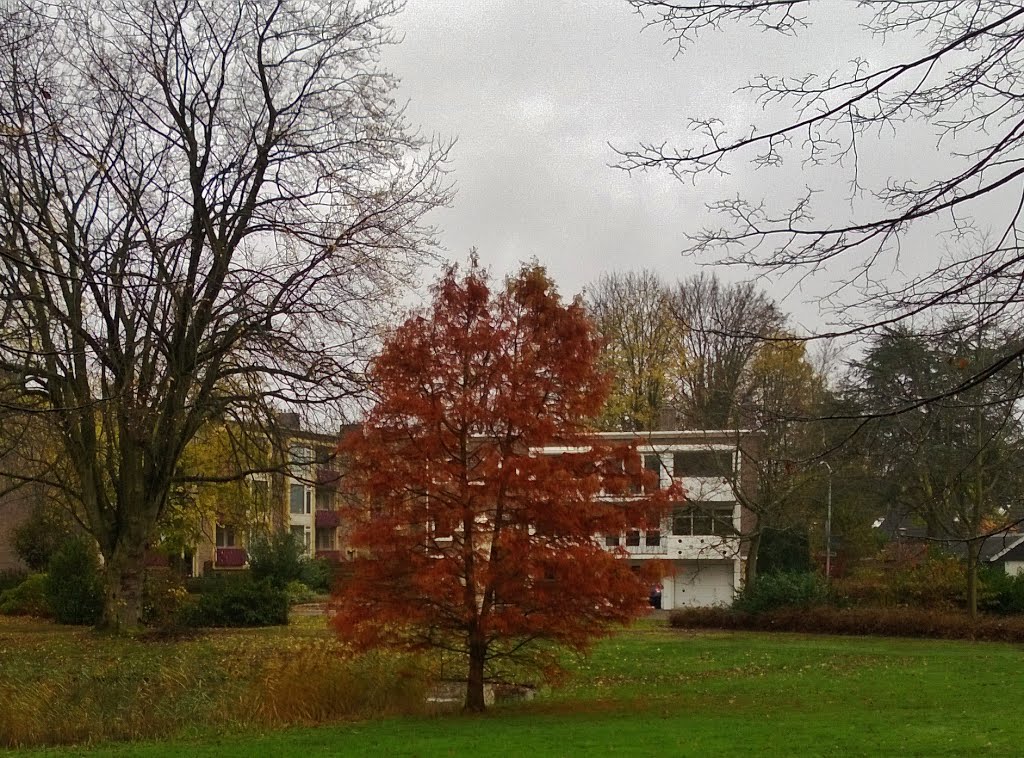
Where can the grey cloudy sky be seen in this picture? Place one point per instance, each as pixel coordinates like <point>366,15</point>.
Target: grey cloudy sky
<point>535,90</point>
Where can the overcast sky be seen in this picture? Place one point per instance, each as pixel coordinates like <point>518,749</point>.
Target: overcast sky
<point>536,90</point>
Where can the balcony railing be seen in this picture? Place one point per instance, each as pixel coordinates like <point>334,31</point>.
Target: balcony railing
<point>230,557</point>
<point>327,519</point>
<point>645,549</point>
<point>333,556</point>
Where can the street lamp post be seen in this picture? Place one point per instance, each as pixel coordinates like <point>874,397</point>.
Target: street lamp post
<point>828,525</point>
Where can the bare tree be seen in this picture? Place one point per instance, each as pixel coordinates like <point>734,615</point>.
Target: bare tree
<point>641,347</point>
<point>721,327</point>
<point>947,74</point>
<point>202,207</point>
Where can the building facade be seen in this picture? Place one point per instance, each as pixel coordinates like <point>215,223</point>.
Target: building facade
<point>700,539</point>
<point>299,494</point>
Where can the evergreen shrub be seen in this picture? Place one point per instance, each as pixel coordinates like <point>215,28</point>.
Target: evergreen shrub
<point>74,588</point>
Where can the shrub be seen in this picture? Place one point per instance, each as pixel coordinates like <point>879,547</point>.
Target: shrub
<point>11,578</point>
<point>73,588</point>
<point>27,599</point>
<point>782,590</point>
<point>298,592</point>
<point>163,598</point>
<point>1001,592</point>
<point>888,622</point>
<point>239,602</point>
<point>37,539</point>
<point>317,574</point>
<point>278,558</point>
<point>937,583</point>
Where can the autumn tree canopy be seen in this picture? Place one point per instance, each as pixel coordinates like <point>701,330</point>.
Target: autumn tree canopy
<point>470,539</point>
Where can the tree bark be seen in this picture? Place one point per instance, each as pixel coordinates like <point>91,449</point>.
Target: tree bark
<point>750,572</point>
<point>475,681</point>
<point>973,550</point>
<point>123,579</point>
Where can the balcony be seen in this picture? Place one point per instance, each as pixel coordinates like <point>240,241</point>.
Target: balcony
<point>230,557</point>
<point>640,544</point>
<point>645,549</point>
<point>327,519</point>
<point>708,547</point>
<point>331,556</point>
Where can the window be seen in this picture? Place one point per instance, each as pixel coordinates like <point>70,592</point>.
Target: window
<point>611,540</point>
<point>702,519</point>
<point>324,499</point>
<point>652,463</point>
<point>702,463</point>
<point>225,536</point>
<point>653,538</point>
<point>301,535</point>
<point>299,459</point>
<point>297,499</point>
<point>325,539</point>
<point>681,521</point>
<point>633,538</point>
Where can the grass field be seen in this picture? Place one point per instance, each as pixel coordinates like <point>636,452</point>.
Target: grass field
<point>656,691</point>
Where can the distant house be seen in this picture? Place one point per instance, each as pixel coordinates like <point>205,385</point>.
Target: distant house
<point>1004,551</point>
<point>700,536</point>
<point>300,495</point>
<point>909,543</point>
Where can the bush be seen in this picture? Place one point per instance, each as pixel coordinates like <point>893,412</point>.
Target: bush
<point>163,599</point>
<point>317,574</point>
<point>27,599</point>
<point>298,592</point>
<point>937,584</point>
<point>11,578</point>
<point>73,588</point>
<point>40,536</point>
<point>278,558</point>
<point>782,590</point>
<point>238,602</point>
<point>887,622</point>
<point>1001,592</point>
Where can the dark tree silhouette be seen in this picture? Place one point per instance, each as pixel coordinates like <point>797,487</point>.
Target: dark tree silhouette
<point>202,207</point>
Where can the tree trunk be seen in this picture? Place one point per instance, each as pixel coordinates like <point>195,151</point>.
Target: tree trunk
<point>753,545</point>
<point>973,550</point>
<point>475,681</point>
<point>123,577</point>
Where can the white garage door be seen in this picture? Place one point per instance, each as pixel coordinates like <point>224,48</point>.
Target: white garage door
<point>703,583</point>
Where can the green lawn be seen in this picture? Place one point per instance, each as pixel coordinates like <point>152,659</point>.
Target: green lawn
<point>657,691</point>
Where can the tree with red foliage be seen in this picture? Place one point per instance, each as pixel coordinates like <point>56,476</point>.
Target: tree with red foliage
<point>481,489</point>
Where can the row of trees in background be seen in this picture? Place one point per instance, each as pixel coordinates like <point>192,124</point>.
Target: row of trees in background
<point>899,76</point>
<point>903,431</point>
<point>945,456</point>
<point>705,354</point>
